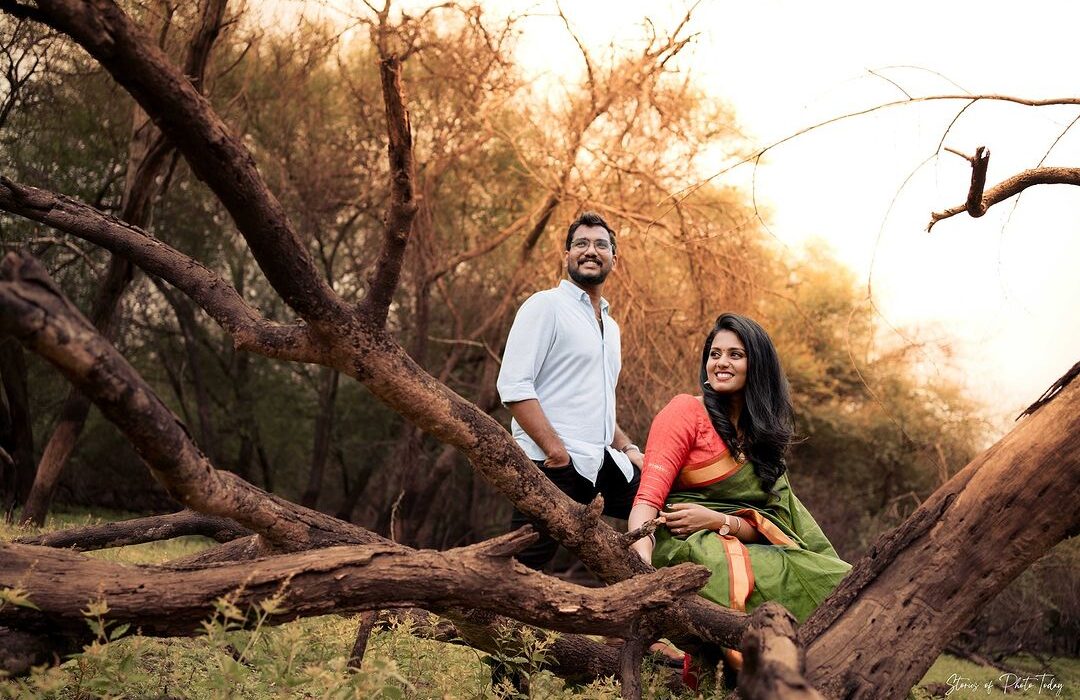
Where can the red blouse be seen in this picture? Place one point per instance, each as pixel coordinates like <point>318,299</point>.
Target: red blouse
<point>683,448</point>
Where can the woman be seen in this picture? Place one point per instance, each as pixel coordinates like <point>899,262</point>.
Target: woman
<point>715,463</point>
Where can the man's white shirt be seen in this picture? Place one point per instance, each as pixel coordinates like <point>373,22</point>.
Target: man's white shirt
<point>556,354</point>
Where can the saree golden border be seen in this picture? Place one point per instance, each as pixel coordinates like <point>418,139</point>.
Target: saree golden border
<point>696,476</point>
<point>740,573</point>
<point>768,529</point>
<point>740,584</point>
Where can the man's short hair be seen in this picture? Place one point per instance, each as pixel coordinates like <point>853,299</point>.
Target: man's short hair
<point>589,218</point>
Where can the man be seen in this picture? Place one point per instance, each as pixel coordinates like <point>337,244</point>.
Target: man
<point>558,377</point>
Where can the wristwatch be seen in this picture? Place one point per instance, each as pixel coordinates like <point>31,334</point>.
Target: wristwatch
<point>725,528</point>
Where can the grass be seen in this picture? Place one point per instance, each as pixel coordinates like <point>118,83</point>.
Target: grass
<point>308,658</point>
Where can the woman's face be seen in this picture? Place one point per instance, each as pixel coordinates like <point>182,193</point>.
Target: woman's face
<point>726,366</point>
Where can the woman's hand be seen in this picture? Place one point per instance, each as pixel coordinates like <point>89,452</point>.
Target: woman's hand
<point>684,519</point>
<point>644,548</point>
<point>639,515</point>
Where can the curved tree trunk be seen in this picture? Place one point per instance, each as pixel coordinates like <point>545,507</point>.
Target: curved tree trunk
<point>904,602</point>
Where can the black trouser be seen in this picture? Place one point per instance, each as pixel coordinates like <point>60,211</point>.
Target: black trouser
<point>610,483</point>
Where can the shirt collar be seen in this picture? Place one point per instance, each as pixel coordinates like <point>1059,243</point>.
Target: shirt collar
<point>580,294</point>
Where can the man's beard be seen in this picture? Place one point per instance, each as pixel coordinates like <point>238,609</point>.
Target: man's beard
<point>588,278</point>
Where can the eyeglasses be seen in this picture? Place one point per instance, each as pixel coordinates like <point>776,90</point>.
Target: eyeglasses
<point>582,244</point>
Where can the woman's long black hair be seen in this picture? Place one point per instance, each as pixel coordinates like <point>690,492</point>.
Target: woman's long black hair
<point>767,421</point>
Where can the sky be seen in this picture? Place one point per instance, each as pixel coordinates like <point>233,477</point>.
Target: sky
<point>994,300</point>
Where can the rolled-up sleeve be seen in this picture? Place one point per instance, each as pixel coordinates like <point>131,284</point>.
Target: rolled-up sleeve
<point>530,338</point>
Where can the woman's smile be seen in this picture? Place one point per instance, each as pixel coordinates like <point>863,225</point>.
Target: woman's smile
<point>727,363</point>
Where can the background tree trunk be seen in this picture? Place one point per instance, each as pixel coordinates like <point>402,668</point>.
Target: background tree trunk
<point>19,443</point>
<point>324,428</point>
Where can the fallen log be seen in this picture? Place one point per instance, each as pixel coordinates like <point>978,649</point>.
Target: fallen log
<point>138,531</point>
<point>58,584</point>
<point>882,628</point>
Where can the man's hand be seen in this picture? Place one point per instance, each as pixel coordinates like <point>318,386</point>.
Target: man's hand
<point>636,458</point>
<point>557,458</point>
<point>532,419</point>
<point>684,519</point>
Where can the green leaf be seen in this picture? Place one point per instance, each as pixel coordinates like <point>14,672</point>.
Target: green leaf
<point>119,631</point>
<point>18,597</point>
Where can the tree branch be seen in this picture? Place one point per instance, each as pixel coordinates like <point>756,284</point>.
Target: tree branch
<point>755,157</point>
<point>202,41</point>
<point>978,202</point>
<point>215,154</point>
<point>399,382</point>
<point>772,658</point>
<point>1055,389</point>
<point>249,330</point>
<point>138,531</point>
<point>919,584</point>
<point>34,310</point>
<point>402,207</point>
<point>489,244</point>
<point>164,602</point>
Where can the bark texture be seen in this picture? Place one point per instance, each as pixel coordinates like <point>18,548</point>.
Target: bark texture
<point>168,602</point>
<point>138,531</point>
<point>772,659</point>
<point>890,618</point>
<point>18,425</point>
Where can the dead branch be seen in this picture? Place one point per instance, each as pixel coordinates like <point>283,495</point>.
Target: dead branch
<point>979,163</point>
<point>165,602</point>
<point>921,583</point>
<point>575,657</point>
<point>647,528</point>
<point>215,154</point>
<point>38,314</point>
<point>772,658</point>
<point>486,246</point>
<point>363,632</point>
<point>138,531</point>
<point>979,202</point>
<point>1053,391</point>
<point>755,157</point>
<point>630,656</point>
<point>202,41</point>
<point>402,207</point>
<point>250,331</point>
